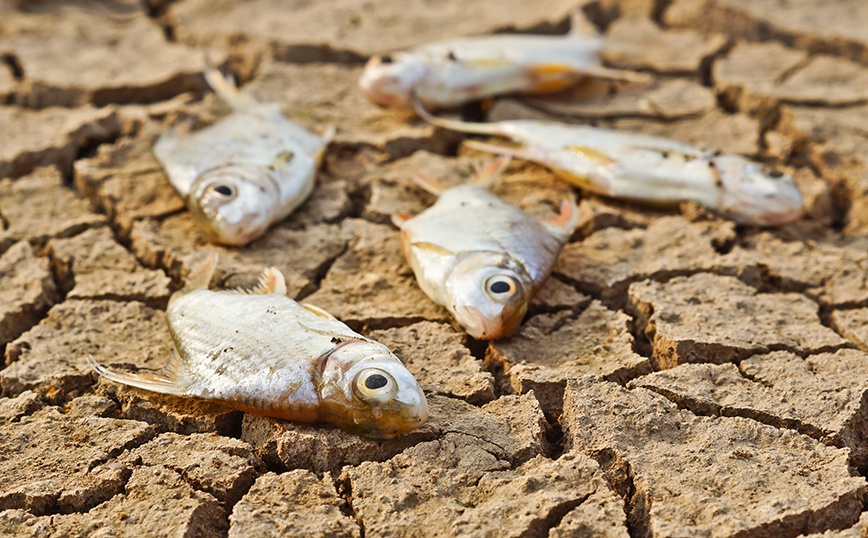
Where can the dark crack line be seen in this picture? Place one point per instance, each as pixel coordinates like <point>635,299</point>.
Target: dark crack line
<point>344,487</point>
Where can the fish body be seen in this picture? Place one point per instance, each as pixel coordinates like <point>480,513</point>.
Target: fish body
<point>481,257</point>
<point>244,172</point>
<point>262,352</point>
<point>647,168</point>
<point>455,71</point>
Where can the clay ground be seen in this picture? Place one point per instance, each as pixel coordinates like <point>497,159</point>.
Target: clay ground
<point>677,376</point>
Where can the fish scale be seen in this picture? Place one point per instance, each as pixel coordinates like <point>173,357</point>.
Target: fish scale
<point>262,352</point>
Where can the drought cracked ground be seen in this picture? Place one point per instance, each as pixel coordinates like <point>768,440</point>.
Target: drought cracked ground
<point>677,376</point>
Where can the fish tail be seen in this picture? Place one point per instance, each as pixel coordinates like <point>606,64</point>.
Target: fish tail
<point>226,89</point>
<point>620,75</point>
<point>455,125</point>
<point>154,382</point>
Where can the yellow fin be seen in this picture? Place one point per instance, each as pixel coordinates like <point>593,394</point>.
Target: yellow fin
<point>552,77</point>
<point>153,382</point>
<point>580,181</point>
<point>282,160</point>
<point>318,311</point>
<point>431,247</point>
<point>597,157</point>
<point>271,281</point>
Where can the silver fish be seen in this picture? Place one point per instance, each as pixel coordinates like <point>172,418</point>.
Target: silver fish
<point>246,171</point>
<point>260,351</point>
<point>457,70</point>
<point>481,257</point>
<point>646,168</point>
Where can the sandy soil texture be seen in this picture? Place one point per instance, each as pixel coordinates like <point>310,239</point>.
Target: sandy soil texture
<point>677,376</point>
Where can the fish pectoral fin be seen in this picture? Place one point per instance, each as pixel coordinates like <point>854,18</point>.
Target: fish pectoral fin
<point>567,219</point>
<point>318,311</point>
<point>327,134</point>
<point>400,218</point>
<point>153,382</point>
<point>431,247</point>
<point>271,281</point>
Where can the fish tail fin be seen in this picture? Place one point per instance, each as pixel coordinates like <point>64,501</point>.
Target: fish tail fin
<point>454,125</point>
<point>163,382</point>
<point>271,281</point>
<point>521,153</point>
<point>620,75</point>
<point>226,89</point>
<point>567,219</point>
<point>489,172</point>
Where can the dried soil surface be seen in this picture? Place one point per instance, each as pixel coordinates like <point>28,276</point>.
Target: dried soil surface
<point>677,376</point>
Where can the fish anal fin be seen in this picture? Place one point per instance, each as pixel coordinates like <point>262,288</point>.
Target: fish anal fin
<point>431,247</point>
<point>318,311</point>
<point>147,381</point>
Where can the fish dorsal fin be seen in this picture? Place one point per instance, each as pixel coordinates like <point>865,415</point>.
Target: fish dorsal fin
<point>271,281</point>
<point>580,25</point>
<point>432,248</point>
<point>198,277</point>
<point>338,337</point>
<point>226,89</point>
<point>153,382</point>
<point>487,174</point>
<point>318,311</point>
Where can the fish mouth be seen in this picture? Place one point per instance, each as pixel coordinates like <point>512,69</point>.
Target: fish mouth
<point>483,327</point>
<point>386,91</point>
<point>780,218</point>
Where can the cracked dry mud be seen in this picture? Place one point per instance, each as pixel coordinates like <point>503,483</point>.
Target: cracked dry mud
<point>677,376</point>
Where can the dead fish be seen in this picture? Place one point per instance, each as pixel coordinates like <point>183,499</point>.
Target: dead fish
<point>645,168</point>
<point>259,351</point>
<point>246,171</point>
<point>481,257</point>
<point>455,71</point>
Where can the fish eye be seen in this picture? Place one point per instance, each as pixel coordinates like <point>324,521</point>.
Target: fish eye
<point>501,287</point>
<point>386,59</point>
<point>776,174</point>
<point>373,385</point>
<point>222,190</point>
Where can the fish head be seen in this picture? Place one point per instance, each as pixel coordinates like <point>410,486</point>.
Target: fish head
<point>752,194</point>
<point>488,293</point>
<point>388,79</point>
<point>365,389</point>
<point>234,205</point>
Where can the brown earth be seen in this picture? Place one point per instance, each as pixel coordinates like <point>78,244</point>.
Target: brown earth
<point>677,376</point>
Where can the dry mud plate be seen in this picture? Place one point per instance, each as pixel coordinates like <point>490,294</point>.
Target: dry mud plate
<point>677,376</point>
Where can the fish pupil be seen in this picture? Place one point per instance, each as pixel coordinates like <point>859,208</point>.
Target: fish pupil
<point>225,190</point>
<point>775,174</point>
<point>499,287</point>
<point>375,381</point>
<point>386,59</point>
